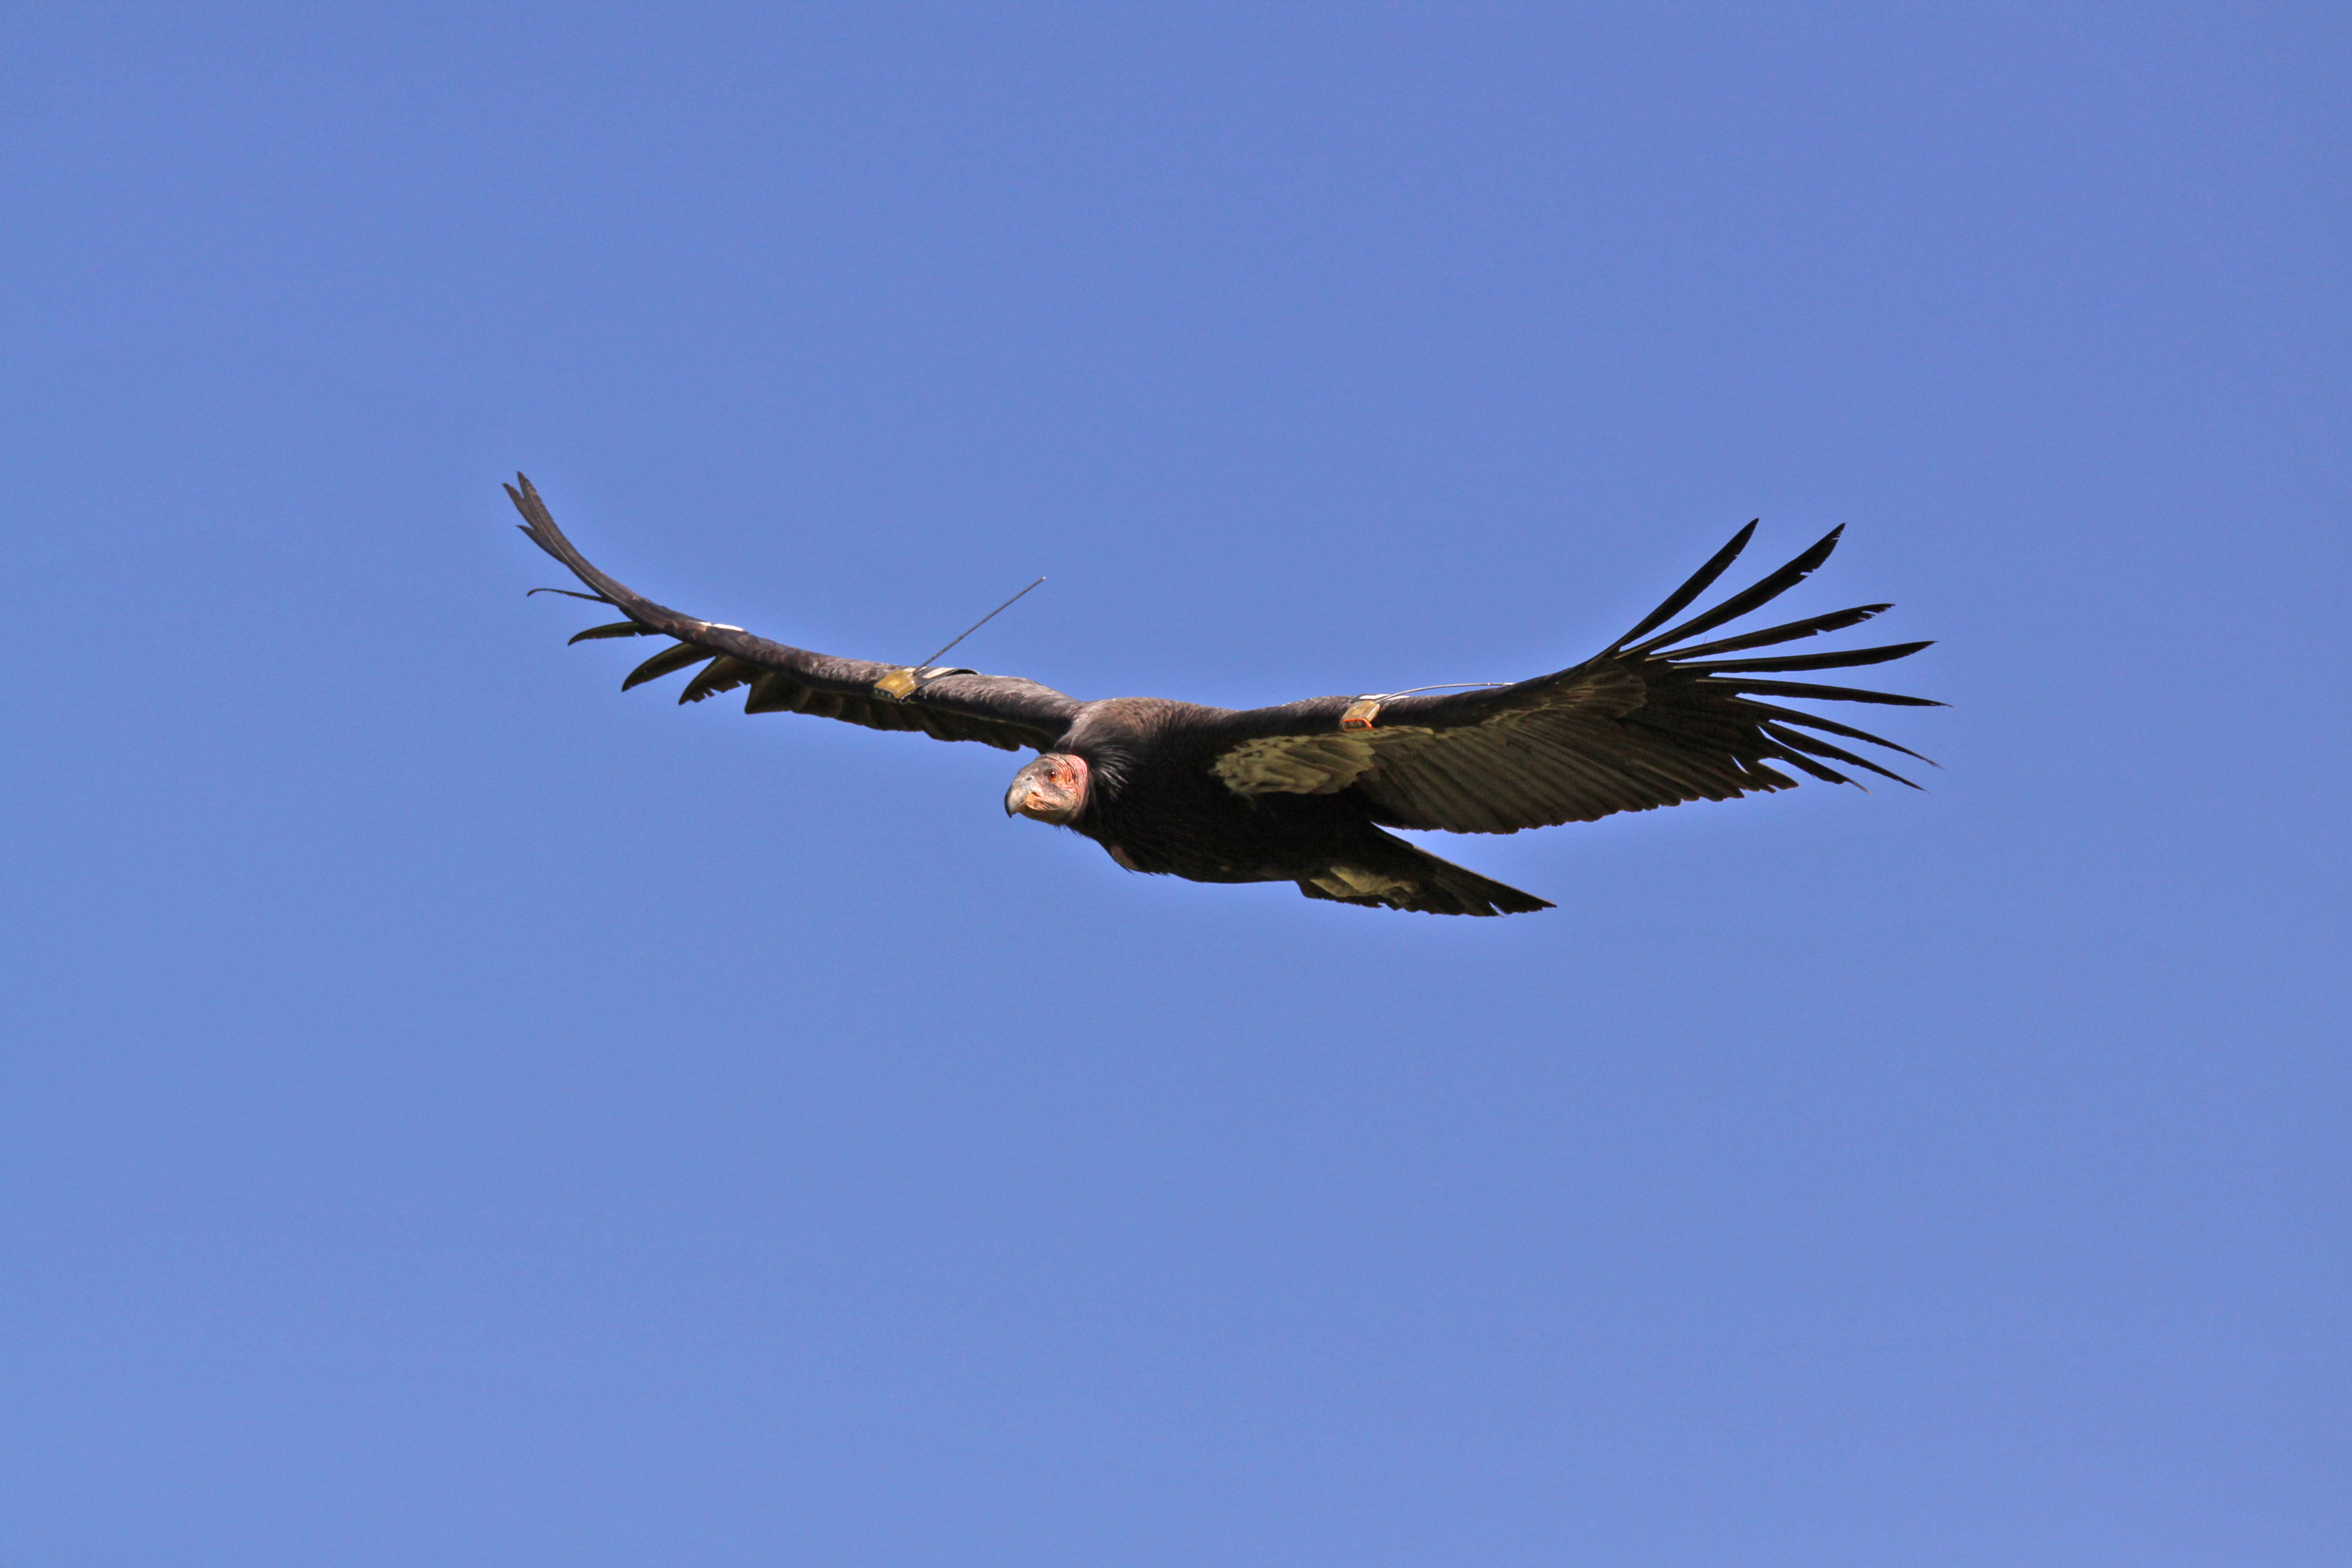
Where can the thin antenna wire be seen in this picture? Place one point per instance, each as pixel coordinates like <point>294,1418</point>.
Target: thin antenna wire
<point>978,624</point>
<point>1444,686</point>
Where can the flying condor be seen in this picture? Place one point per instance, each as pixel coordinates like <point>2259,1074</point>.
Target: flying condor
<point>1300,793</point>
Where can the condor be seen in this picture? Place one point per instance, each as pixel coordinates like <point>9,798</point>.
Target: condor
<point>1301,793</point>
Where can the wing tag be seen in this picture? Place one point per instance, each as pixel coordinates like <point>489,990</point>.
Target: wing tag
<point>1361,713</point>
<point>898,685</point>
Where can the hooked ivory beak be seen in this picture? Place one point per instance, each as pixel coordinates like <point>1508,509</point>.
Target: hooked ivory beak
<point>1050,789</point>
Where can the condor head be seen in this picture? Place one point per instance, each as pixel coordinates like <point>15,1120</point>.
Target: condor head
<point>1050,789</point>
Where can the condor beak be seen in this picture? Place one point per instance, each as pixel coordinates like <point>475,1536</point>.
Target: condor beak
<point>1025,784</point>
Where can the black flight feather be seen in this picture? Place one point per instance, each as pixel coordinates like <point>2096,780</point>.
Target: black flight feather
<point>1822,748</point>
<point>1762,593</point>
<point>1835,621</point>
<point>617,629</point>
<point>1826,775</point>
<point>1815,721</point>
<point>720,675</point>
<point>677,656</point>
<point>1823,694</point>
<point>1836,659</point>
<point>1698,583</point>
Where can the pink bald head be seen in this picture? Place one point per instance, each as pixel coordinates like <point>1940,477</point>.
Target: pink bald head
<point>1050,789</point>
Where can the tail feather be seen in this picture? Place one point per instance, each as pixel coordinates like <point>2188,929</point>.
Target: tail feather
<point>1395,875</point>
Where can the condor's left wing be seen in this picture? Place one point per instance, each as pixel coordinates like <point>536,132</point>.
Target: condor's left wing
<point>1640,725</point>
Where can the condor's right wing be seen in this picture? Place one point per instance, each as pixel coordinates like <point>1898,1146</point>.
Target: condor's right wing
<point>946,704</point>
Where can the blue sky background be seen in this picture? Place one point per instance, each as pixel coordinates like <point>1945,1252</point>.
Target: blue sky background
<point>457,1114</point>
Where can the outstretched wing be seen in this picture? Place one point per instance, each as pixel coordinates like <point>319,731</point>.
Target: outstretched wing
<point>946,704</point>
<point>1641,724</point>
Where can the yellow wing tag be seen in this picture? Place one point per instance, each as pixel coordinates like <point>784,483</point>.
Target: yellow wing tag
<point>898,685</point>
<point>1361,713</point>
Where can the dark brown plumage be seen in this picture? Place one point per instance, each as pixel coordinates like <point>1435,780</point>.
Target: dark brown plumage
<point>1300,793</point>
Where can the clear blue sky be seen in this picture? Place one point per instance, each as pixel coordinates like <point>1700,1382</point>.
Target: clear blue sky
<point>454,1113</point>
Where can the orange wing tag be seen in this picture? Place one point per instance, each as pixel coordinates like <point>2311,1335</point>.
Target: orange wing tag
<point>898,685</point>
<point>1361,713</point>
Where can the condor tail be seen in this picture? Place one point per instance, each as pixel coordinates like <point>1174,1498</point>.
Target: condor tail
<point>1394,875</point>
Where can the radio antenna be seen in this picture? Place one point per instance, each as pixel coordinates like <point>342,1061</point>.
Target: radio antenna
<point>978,624</point>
